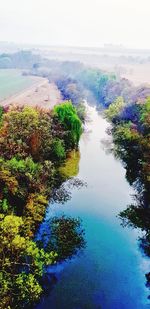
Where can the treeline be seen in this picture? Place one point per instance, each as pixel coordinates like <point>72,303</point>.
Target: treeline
<point>77,82</point>
<point>131,135</point>
<point>19,60</point>
<point>33,144</point>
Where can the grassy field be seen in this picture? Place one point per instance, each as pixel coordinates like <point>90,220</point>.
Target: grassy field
<point>12,82</point>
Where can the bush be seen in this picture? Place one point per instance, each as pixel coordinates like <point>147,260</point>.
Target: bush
<point>57,150</point>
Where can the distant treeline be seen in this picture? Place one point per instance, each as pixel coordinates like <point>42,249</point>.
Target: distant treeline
<point>101,87</point>
<point>77,81</point>
<point>19,60</point>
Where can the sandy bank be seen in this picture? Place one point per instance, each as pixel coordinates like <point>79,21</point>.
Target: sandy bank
<point>41,93</point>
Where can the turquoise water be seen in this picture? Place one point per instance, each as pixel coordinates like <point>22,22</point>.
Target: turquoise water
<point>110,272</point>
<point>12,81</point>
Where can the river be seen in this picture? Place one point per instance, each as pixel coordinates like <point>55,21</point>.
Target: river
<point>110,272</point>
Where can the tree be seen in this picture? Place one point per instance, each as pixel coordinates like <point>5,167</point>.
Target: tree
<point>145,114</point>
<point>22,264</point>
<point>67,115</point>
<point>26,131</point>
<point>114,109</point>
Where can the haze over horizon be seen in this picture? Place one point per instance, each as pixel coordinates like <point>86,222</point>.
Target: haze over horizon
<point>76,23</point>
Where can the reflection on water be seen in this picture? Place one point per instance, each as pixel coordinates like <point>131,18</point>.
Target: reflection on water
<point>109,273</point>
<point>71,166</point>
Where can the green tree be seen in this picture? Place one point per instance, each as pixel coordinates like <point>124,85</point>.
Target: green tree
<point>22,264</point>
<point>67,115</point>
<point>114,109</point>
<point>145,115</point>
<point>58,152</point>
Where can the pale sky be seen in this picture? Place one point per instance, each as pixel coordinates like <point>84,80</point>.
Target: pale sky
<point>76,22</point>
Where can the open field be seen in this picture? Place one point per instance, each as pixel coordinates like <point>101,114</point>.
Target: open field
<point>12,81</point>
<point>139,73</point>
<point>42,94</point>
<point>28,90</point>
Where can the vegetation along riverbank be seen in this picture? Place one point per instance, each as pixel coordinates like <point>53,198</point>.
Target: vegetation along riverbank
<point>33,144</point>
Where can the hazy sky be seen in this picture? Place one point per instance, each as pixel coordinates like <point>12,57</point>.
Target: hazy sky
<point>76,22</point>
